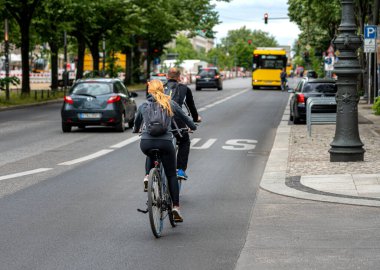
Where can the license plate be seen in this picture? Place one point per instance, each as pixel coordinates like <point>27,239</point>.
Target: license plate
<point>90,115</point>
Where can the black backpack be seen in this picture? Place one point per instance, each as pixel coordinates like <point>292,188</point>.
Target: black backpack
<point>157,120</point>
<point>172,91</point>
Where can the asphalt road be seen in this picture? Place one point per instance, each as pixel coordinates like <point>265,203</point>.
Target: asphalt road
<point>68,201</point>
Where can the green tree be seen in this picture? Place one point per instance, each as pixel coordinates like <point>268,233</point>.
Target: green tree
<point>23,11</point>
<point>237,48</point>
<point>183,48</point>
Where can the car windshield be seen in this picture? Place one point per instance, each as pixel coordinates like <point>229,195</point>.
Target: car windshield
<point>207,73</point>
<point>92,88</point>
<point>320,88</point>
<point>161,78</point>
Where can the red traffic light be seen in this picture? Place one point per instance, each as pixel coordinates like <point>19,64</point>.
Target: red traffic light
<point>266,18</point>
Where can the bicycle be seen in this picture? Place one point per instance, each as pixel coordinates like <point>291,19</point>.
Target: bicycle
<point>159,204</point>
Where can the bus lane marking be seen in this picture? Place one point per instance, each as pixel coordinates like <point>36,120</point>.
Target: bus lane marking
<point>206,145</point>
<point>240,144</point>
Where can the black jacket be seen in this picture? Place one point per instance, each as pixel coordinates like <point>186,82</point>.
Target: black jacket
<point>178,113</point>
<point>182,94</point>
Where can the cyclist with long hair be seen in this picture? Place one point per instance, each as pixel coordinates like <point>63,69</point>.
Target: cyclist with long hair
<point>163,142</point>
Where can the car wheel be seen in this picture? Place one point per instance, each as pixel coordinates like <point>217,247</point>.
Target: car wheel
<point>290,117</point>
<point>131,123</point>
<point>121,126</point>
<point>66,128</point>
<point>296,120</point>
<point>220,88</point>
<point>197,88</point>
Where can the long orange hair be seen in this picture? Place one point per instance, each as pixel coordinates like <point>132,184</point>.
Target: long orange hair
<point>156,89</point>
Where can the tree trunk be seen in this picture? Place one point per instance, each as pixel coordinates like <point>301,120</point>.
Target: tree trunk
<point>148,59</point>
<point>128,67</point>
<point>136,64</point>
<point>80,54</point>
<point>94,48</point>
<point>54,66</point>
<point>25,87</point>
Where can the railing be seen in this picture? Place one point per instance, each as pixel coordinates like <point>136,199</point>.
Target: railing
<point>318,118</point>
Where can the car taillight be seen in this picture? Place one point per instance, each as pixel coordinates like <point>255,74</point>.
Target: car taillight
<point>113,99</point>
<point>68,99</point>
<point>216,77</point>
<point>197,77</point>
<point>300,98</point>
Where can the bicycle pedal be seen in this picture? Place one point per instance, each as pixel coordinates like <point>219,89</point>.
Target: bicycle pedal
<point>142,211</point>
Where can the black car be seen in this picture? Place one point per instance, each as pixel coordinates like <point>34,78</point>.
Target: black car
<point>156,76</point>
<point>310,88</point>
<point>311,74</point>
<point>208,78</point>
<point>94,102</point>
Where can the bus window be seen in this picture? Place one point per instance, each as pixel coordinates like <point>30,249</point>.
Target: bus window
<point>269,62</point>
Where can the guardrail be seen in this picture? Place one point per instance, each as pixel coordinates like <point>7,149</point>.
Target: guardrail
<point>313,118</point>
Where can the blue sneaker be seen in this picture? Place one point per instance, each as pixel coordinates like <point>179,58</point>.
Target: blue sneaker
<point>181,174</point>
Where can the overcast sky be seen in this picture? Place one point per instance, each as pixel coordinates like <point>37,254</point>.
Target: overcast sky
<point>250,13</point>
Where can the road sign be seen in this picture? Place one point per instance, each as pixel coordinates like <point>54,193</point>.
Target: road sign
<point>370,35</point>
<point>370,32</point>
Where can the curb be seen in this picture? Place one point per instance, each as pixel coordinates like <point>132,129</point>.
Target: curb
<point>274,176</point>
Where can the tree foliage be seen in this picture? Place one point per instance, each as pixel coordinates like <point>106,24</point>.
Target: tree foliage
<point>236,49</point>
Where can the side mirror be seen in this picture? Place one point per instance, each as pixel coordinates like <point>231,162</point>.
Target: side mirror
<point>133,94</point>
<point>291,90</point>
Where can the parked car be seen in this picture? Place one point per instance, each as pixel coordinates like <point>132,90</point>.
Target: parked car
<point>311,74</point>
<point>94,102</point>
<point>156,76</point>
<point>208,78</point>
<point>310,88</point>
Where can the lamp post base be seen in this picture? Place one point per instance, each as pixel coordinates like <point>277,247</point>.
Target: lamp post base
<point>346,155</point>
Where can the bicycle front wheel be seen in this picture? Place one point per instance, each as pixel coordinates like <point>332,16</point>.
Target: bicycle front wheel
<point>155,202</point>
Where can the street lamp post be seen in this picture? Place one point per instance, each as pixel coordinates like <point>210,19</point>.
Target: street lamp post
<point>346,145</point>
<point>6,54</point>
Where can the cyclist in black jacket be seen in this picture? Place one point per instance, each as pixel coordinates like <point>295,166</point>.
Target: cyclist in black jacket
<point>163,142</point>
<point>182,95</point>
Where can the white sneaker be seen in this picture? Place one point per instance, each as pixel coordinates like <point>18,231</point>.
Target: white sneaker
<point>146,179</point>
<point>177,215</point>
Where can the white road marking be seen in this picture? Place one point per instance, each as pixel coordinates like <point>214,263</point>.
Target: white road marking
<point>14,175</point>
<point>206,145</point>
<point>126,142</point>
<point>240,144</point>
<point>85,158</point>
<point>220,101</point>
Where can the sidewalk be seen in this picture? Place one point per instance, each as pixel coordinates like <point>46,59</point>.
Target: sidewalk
<point>292,226</point>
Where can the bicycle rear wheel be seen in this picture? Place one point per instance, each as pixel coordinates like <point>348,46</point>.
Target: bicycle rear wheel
<point>155,202</point>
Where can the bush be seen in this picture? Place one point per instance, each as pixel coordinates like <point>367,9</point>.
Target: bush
<point>376,106</point>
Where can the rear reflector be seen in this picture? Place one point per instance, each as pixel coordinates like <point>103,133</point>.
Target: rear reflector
<point>113,99</point>
<point>68,99</point>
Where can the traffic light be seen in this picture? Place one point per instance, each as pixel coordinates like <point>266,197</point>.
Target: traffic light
<point>266,18</point>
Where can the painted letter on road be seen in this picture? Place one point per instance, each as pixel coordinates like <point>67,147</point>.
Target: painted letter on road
<point>240,144</point>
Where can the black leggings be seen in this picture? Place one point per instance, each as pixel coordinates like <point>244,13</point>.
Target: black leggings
<point>168,158</point>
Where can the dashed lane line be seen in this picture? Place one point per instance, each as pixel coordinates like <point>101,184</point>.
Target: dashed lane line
<point>221,101</point>
<point>126,142</point>
<point>88,157</point>
<point>15,175</point>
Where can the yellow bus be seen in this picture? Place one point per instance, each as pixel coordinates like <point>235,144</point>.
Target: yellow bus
<point>121,60</point>
<point>267,66</point>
